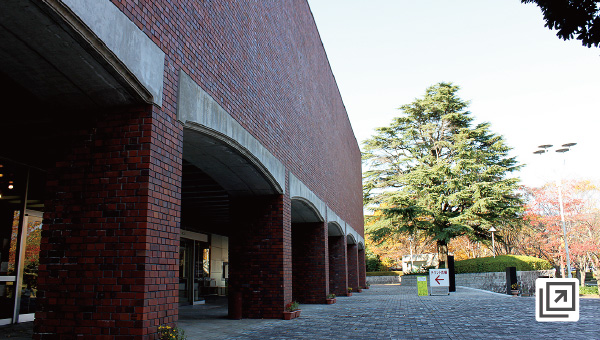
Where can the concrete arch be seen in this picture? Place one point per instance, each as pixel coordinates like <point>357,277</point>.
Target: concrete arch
<point>350,239</point>
<point>302,194</point>
<point>334,229</point>
<point>228,162</point>
<point>217,144</point>
<point>304,211</point>
<point>361,245</point>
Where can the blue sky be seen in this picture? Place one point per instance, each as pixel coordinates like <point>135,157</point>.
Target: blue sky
<point>533,87</point>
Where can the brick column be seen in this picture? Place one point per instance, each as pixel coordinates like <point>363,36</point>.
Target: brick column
<point>362,270</point>
<point>260,255</point>
<point>310,262</point>
<point>110,238</point>
<point>338,270</point>
<point>353,266</point>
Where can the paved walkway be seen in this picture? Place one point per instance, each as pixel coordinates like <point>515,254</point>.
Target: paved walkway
<point>396,312</point>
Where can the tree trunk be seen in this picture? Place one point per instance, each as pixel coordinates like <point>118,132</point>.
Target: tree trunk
<point>442,248</point>
<point>582,276</point>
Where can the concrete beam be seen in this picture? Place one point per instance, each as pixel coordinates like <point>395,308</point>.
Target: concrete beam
<point>334,219</point>
<point>132,46</point>
<point>355,236</point>
<point>299,191</point>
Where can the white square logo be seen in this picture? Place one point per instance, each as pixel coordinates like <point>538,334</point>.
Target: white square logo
<point>556,300</point>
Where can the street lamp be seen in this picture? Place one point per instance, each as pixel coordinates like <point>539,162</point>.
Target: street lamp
<point>564,148</point>
<point>492,230</point>
<point>412,264</point>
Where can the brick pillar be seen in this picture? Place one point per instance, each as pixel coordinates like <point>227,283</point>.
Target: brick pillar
<point>260,255</point>
<point>352,266</point>
<point>110,238</point>
<point>338,270</point>
<point>310,262</point>
<point>362,270</point>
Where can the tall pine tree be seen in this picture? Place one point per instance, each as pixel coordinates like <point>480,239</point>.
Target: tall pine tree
<point>432,170</point>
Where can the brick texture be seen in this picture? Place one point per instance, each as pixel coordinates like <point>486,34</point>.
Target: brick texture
<point>362,269</point>
<point>108,260</point>
<point>260,256</point>
<point>310,262</point>
<point>352,254</point>
<point>263,61</point>
<point>338,270</point>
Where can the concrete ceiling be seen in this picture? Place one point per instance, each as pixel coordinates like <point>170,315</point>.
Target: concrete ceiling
<point>303,212</point>
<point>225,165</point>
<point>60,63</point>
<point>334,229</point>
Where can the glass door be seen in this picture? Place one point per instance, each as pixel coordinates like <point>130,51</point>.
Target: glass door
<point>194,271</point>
<point>21,195</point>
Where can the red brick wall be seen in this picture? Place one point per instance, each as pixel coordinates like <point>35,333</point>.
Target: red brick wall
<point>260,255</point>
<point>108,260</point>
<point>362,269</point>
<point>338,271</point>
<point>310,262</point>
<point>263,61</point>
<point>352,254</point>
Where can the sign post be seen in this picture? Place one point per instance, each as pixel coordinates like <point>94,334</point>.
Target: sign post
<point>439,281</point>
<point>422,286</point>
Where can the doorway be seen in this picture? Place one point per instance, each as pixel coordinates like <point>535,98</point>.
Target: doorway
<point>194,271</point>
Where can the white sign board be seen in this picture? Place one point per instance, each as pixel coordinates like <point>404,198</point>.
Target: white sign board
<point>439,278</point>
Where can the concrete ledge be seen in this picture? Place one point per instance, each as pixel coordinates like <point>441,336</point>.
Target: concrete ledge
<point>132,46</point>
<point>299,190</point>
<point>355,235</point>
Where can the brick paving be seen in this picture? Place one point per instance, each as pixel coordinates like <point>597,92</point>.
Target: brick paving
<point>395,312</point>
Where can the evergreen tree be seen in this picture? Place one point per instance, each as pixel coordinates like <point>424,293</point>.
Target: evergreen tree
<point>578,19</point>
<point>432,170</point>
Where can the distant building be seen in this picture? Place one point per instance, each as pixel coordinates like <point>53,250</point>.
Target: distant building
<point>418,261</point>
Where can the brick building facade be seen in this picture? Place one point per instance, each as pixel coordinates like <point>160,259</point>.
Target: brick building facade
<point>175,148</point>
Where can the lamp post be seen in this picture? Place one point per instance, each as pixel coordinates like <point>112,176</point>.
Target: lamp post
<point>492,230</point>
<point>564,148</point>
<point>412,264</point>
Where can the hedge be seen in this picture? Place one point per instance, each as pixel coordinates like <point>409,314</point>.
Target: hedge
<point>499,264</point>
<point>392,273</point>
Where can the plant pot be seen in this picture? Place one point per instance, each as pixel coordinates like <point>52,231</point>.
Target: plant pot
<point>349,294</point>
<point>514,292</point>
<point>330,301</point>
<point>359,290</point>
<point>367,287</point>
<point>289,315</point>
<point>297,313</point>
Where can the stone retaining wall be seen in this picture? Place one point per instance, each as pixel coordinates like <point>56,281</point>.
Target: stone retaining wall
<point>495,282</point>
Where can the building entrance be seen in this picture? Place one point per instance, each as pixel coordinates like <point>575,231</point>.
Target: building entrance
<point>194,271</point>
<point>20,236</point>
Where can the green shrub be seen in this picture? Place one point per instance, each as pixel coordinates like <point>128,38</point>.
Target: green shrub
<point>373,263</point>
<point>499,264</point>
<point>588,290</point>
<point>394,273</point>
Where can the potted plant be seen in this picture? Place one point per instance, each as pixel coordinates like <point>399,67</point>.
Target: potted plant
<point>367,285</point>
<point>292,310</point>
<point>514,289</point>
<point>330,299</point>
<point>359,290</point>
<point>349,291</point>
